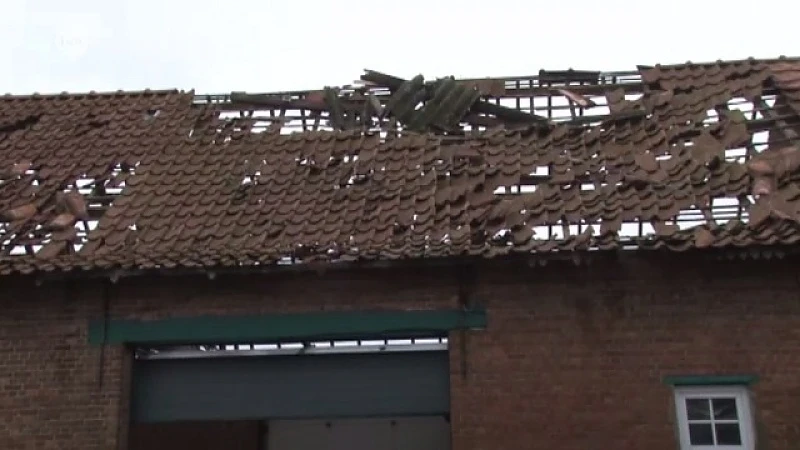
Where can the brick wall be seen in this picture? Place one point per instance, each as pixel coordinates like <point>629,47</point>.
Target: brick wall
<point>54,391</point>
<point>573,357</point>
<point>575,360</point>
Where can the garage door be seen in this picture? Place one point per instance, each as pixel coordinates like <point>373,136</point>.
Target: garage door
<point>291,386</point>
<point>396,433</point>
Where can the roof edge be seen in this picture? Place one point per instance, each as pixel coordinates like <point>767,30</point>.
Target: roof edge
<point>576,259</point>
<point>117,93</point>
<point>726,61</point>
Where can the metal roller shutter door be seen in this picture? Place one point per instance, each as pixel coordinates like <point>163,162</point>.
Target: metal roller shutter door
<point>291,387</point>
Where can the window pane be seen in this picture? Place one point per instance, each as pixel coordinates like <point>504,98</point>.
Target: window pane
<point>697,409</point>
<point>700,434</point>
<point>724,408</point>
<point>728,434</point>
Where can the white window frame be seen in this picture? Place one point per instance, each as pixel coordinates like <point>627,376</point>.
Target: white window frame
<point>742,396</point>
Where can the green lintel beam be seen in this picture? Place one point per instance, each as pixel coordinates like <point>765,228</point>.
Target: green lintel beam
<point>710,380</point>
<point>283,327</point>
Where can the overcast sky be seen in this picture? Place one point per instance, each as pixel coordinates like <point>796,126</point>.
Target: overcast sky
<point>268,45</point>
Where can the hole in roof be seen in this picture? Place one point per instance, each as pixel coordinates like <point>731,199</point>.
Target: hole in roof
<point>510,102</point>
<point>690,218</point>
<point>251,178</point>
<point>541,171</point>
<point>5,239</point>
<point>502,234</point>
<point>741,104</point>
<point>229,115</point>
<point>760,141</point>
<point>647,229</point>
<point>528,184</point>
<point>761,137</point>
<point>152,113</point>
<point>82,229</point>
<point>541,231</point>
<point>631,229</point>
<point>72,214</point>
<point>19,171</point>
<point>725,209</point>
<point>737,154</point>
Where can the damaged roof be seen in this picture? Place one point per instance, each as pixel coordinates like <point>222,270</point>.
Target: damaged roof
<point>679,157</point>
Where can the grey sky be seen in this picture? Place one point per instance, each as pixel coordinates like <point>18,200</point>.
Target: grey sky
<point>267,45</point>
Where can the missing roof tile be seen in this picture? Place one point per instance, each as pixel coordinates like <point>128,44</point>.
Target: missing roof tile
<point>62,225</point>
<point>103,189</point>
<point>28,241</point>
<point>745,106</point>
<point>18,171</point>
<point>19,124</point>
<point>726,209</point>
<point>633,97</point>
<point>639,171</point>
<point>712,116</point>
<point>152,113</point>
<point>82,230</point>
<point>736,155</point>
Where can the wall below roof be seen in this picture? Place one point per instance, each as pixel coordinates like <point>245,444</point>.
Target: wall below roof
<point>573,358</point>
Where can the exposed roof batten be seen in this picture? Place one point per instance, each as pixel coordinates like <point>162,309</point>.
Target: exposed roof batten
<point>676,157</point>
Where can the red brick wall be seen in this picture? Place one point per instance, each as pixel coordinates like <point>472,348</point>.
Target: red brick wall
<point>54,391</point>
<point>573,357</point>
<point>576,360</point>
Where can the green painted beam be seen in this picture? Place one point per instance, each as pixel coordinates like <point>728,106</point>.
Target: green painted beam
<point>710,380</point>
<point>278,327</point>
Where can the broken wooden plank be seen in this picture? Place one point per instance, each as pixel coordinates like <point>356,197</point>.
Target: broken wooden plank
<point>481,106</point>
<point>334,108</point>
<point>579,100</point>
<point>406,97</point>
<point>569,75</point>
<point>382,79</point>
<point>375,104</point>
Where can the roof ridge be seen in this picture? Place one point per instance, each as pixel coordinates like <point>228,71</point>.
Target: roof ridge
<point>125,92</point>
<point>117,93</point>
<point>725,61</point>
<point>635,71</point>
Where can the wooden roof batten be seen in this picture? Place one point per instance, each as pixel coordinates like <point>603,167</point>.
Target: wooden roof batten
<point>697,156</point>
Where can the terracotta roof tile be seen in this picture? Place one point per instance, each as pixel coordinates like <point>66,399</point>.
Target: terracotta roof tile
<point>157,184</point>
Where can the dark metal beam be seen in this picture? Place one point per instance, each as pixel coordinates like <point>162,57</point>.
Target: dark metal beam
<point>283,327</point>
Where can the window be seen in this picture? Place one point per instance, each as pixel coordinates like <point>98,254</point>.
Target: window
<point>714,417</point>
